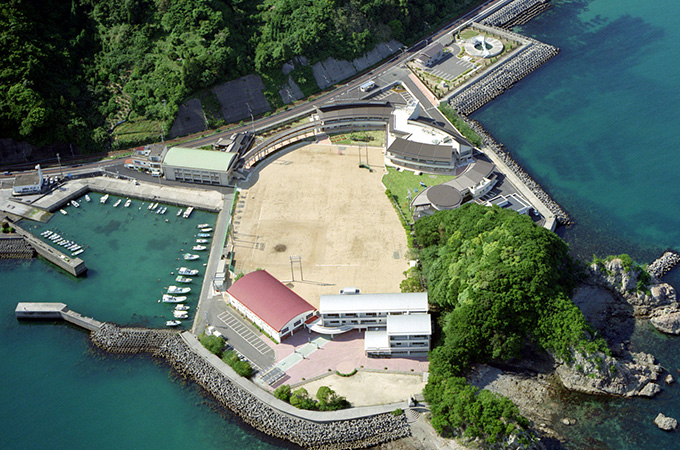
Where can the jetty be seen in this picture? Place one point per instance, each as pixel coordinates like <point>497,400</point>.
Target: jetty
<point>663,264</point>
<point>74,266</point>
<point>55,311</point>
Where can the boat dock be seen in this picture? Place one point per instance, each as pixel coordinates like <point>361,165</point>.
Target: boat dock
<point>74,266</point>
<point>55,311</point>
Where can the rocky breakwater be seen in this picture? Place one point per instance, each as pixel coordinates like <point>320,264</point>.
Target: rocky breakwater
<point>115,339</point>
<point>663,265</point>
<point>518,12</point>
<point>345,434</point>
<point>649,297</point>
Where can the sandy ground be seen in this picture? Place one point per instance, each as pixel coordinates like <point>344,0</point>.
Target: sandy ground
<point>368,388</point>
<point>315,202</point>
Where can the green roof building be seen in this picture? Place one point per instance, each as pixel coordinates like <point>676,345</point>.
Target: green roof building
<point>199,166</point>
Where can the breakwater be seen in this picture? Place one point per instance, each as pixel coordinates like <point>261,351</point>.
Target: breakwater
<point>351,433</point>
<point>15,247</point>
<point>490,144</point>
<point>516,13</point>
<point>663,264</point>
<point>502,77</point>
<point>340,434</point>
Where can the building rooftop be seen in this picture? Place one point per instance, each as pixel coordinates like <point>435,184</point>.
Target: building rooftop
<point>376,340</point>
<point>421,151</point>
<point>335,111</point>
<point>27,179</point>
<point>198,159</point>
<point>444,196</point>
<point>409,324</point>
<point>268,298</point>
<point>360,303</point>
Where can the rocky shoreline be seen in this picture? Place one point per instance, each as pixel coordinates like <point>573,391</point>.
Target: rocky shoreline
<point>333,435</point>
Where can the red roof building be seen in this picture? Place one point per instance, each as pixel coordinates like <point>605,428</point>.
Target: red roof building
<point>269,304</point>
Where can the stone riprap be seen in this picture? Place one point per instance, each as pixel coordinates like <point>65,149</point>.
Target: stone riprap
<point>502,77</point>
<point>664,264</point>
<point>518,12</point>
<point>490,144</point>
<point>115,339</point>
<point>15,248</point>
<point>343,434</point>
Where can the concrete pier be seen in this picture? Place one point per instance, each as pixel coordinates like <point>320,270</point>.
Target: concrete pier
<point>55,311</point>
<point>74,266</point>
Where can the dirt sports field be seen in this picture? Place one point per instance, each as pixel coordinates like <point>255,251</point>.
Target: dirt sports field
<point>315,202</point>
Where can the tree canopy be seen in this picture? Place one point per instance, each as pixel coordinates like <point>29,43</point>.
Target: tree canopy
<point>73,69</point>
<point>500,282</point>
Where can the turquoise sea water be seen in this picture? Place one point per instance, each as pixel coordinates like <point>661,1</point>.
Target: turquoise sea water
<point>597,126</point>
<point>60,392</point>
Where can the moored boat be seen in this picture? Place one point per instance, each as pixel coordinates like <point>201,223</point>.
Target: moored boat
<point>206,230</point>
<point>201,241</point>
<point>180,307</point>
<point>87,198</point>
<point>203,235</point>
<point>180,314</point>
<point>203,225</point>
<point>63,212</point>
<point>187,272</point>
<point>181,279</point>
<point>115,205</point>
<point>188,212</point>
<point>190,257</point>
<point>128,202</point>
<point>199,248</point>
<point>179,213</point>
<point>75,203</point>
<point>77,252</point>
<point>173,298</point>
<point>173,323</point>
<point>104,198</point>
<point>178,290</point>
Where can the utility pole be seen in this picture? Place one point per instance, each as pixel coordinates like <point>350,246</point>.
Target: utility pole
<point>252,119</point>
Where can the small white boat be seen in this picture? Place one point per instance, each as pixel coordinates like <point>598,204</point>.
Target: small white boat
<point>104,198</point>
<point>77,252</point>
<point>199,248</point>
<point>181,279</point>
<point>76,247</point>
<point>187,272</point>
<point>173,323</point>
<point>201,241</point>
<point>154,206</point>
<point>149,207</point>
<point>203,235</point>
<point>87,198</point>
<point>180,314</point>
<point>164,210</point>
<point>75,203</point>
<point>178,290</point>
<point>173,299</point>
<point>179,213</point>
<point>188,212</point>
<point>180,307</point>
<point>206,230</point>
<point>190,257</point>
<point>203,225</point>
<point>128,203</point>
<point>115,205</point>
<point>63,212</point>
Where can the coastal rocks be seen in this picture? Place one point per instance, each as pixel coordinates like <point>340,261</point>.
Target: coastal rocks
<point>115,339</point>
<point>567,421</point>
<point>667,321</point>
<point>601,374</point>
<point>662,265</point>
<point>666,423</point>
<point>669,379</point>
<point>516,13</point>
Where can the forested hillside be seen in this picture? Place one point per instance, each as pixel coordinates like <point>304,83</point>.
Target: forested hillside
<point>500,282</point>
<point>72,69</point>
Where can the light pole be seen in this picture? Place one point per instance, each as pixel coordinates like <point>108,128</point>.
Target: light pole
<point>252,119</point>
<point>61,173</point>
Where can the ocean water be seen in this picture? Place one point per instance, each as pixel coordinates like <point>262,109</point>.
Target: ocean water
<point>60,392</point>
<point>597,127</point>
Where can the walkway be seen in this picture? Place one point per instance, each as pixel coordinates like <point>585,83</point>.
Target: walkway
<point>302,353</point>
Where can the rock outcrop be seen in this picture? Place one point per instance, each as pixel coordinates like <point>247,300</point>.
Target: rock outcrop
<point>601,374</point>
<point>657,301</point>
<point>666,423</point>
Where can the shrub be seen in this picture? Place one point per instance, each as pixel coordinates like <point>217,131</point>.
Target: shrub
<point>300,399</point>
<point>242,368</point>
<point>214,344</point>
<point>283,392</point>
<point>397,412</point>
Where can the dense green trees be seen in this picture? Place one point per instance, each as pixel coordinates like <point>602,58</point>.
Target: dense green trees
<point>72,69</point>
<point>326,398</point>
<point>500,282</point>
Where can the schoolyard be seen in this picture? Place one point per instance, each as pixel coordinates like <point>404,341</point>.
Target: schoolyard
<point>315,202</point>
